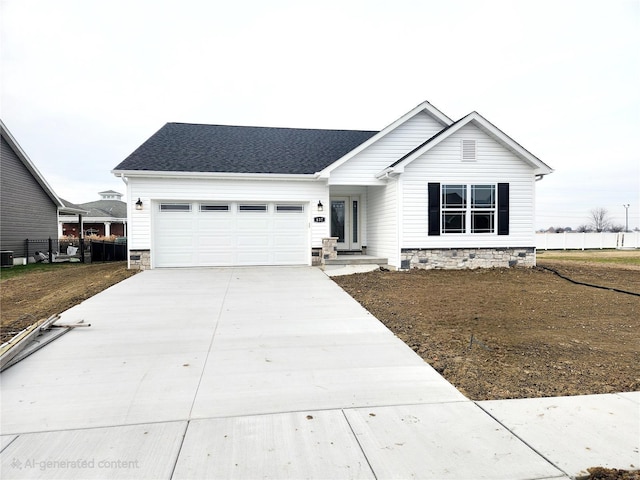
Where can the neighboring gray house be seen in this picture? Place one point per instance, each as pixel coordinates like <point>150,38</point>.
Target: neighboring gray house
<point>29,206</point>
<point>104,217</point>
<point>424,192</point>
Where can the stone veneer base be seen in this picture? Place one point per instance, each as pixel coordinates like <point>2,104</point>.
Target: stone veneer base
<point>329,249</point>
<point>467,258</point>
<point>139,259</point>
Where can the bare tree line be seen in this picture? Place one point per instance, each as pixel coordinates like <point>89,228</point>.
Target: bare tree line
<point>599,220</point>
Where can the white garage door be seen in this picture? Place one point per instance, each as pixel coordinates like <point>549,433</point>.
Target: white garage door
<point>190,234</point>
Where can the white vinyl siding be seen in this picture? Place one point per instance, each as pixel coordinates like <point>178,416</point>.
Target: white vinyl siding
<point>213,191</point>
<point>443,164</point>
<point>382,227</point>
<point>363,167</point>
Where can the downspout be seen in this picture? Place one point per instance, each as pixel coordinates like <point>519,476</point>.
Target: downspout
<point>539,177</point>
<point>399,219</point>
<point>126,222</point>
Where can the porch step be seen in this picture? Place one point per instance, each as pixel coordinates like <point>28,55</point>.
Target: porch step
<point>354,259</point>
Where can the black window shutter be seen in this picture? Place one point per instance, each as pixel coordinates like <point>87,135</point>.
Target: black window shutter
<point>434,208</point>
<point>503,209</point>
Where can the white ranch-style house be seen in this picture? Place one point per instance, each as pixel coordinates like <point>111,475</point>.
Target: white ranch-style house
<point>424,192</point>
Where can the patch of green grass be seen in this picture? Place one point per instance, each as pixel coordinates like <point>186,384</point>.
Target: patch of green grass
<point>618,260</point>
<point>618,257</point>
<point>18,270</point>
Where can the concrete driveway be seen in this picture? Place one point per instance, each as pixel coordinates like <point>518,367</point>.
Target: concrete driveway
<point>271,372</point>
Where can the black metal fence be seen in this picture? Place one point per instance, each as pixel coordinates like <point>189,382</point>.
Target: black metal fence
<point>48,247</point>
<point>74,248</point>
<point>63,250</point>
<point>108,251</point>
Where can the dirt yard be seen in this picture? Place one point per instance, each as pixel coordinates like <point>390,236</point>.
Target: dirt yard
<point>34,292</point>
<point>514,333</point>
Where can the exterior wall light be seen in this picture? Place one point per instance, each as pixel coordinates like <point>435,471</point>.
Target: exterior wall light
<point>139,204</point>
<point>320,206</point>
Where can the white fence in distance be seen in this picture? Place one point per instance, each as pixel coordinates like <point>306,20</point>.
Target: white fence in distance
<point>587,241</point>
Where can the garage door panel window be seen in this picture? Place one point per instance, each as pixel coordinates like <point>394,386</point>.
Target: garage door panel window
<point>252,208</point>
<point>290,208</point>
<point>175,207</point>
<point>205,207</point>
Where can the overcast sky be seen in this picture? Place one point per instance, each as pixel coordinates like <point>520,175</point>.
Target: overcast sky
<point>85,82</point>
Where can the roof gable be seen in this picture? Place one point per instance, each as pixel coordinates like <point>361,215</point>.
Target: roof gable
<point>425,107</point>
<point>483,124</point>
<point>182,147</point>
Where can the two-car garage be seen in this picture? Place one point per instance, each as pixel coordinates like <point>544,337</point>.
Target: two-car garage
<point>205,233</point>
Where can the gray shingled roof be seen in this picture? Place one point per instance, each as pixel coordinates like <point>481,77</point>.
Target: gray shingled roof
<point>69,208</point>
<point>185,147</point>
<point>97,209</point>
<point>105,208</point>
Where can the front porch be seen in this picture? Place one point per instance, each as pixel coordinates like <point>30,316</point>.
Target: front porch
<point>352,258</point>
<point>353,262</point>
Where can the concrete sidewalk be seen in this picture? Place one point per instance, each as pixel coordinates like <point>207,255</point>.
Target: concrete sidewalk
<point>274,372</point>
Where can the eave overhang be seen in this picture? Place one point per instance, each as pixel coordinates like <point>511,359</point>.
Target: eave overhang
<point>215,175</point>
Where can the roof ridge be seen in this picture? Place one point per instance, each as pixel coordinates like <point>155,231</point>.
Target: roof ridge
<point>272,128</point>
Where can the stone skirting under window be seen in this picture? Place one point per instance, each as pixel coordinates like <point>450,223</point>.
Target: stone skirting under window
<point>139,259</point>
<point>463,258</point>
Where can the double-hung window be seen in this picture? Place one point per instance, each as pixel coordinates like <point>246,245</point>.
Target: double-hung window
<point>468,208</point>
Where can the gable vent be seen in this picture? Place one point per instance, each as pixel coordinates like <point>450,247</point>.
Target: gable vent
<point>468,149</point>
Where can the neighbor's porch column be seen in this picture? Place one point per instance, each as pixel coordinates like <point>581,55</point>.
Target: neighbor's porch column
<point>107,229</point>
